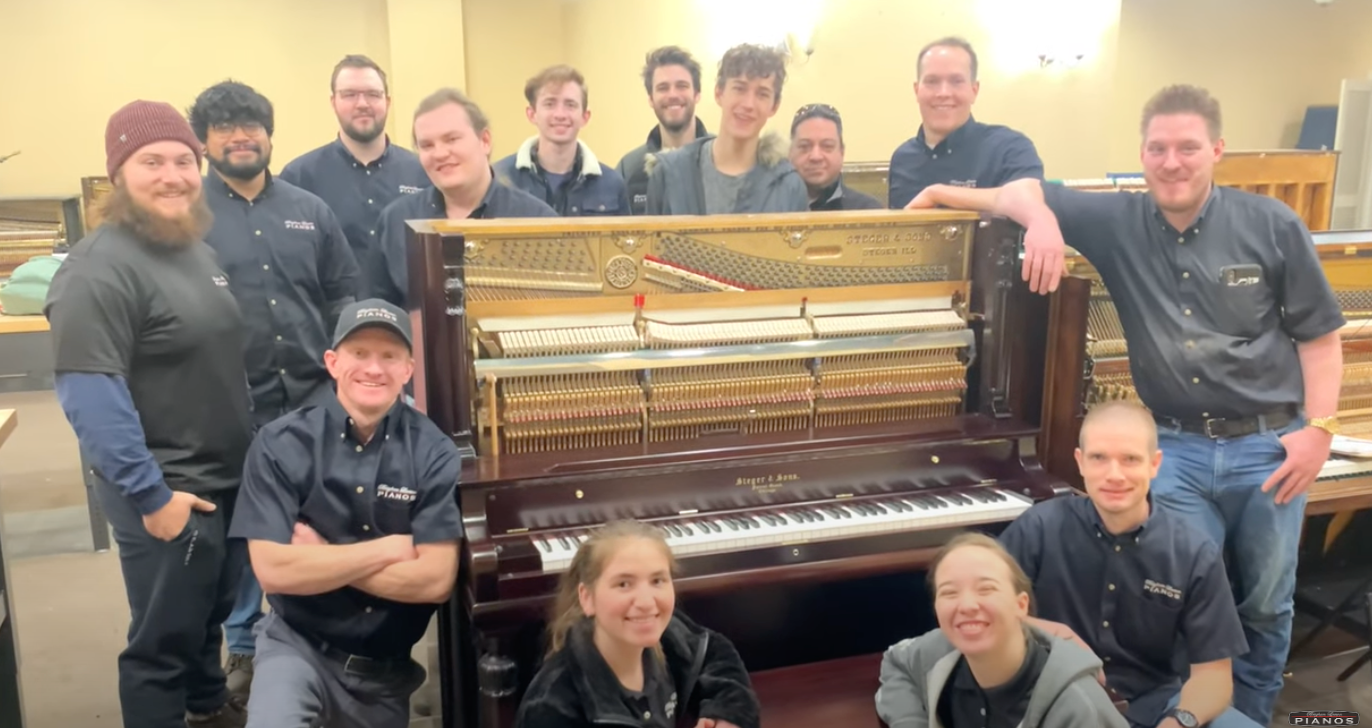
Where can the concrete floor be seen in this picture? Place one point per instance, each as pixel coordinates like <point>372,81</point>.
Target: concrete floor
<point>71,614</point>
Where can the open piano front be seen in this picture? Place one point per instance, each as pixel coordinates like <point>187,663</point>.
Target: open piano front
<point>808,404</point>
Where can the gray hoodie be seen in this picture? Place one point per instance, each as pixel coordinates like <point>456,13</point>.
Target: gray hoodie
<point>675,186</point>
<point>915,671</point>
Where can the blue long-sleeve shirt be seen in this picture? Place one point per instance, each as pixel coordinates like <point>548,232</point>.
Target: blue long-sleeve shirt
<point>100,409</point>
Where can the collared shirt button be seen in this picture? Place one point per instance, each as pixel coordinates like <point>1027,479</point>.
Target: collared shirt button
<point>365,527</point>
<point>283,371</point>
<point>388,437</point>
<point>1111,587</point>
<point>266,267</point>
<point>360,489</point>
<point>647,715</point>
<point>359,448</point>
<point>273,301</point>
<point>1117,548</point>
<point>368,610</point>
<point>369,202</point>
<point>1106,658</point>
<point>1186,274</point>
<point>1205,414</point>
<point>257,232</point>
<point>1106,624</point>
<point>1195,380</point>
<point>1190,344</point>
<point>278,337</point>
<point>1187,312</point>
<point>373,232</point>
<point>1181,239</point>
<point>369,172</point>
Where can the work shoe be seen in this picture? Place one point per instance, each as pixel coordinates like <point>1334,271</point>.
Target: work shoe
<point>232,715</point>
<point>238,675</point>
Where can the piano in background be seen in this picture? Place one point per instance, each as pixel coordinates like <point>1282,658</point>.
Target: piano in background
<point>809,405</point>
<point>31,226</point>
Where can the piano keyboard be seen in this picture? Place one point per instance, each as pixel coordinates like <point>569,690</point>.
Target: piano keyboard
<point>831,519</point>
<point>1337,467</point>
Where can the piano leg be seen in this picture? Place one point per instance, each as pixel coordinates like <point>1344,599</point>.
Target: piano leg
<point>458,691</point>
<point>498,681</point>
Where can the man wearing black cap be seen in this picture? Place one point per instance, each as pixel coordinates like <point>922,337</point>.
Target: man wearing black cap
<point>149,361</point>
<point>350,512</point>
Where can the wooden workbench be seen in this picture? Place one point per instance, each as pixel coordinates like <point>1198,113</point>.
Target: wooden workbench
<point>23,324</point>
<point>11,697</point>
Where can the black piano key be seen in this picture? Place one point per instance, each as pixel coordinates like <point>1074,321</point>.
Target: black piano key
<point>730,523</point>
<point>995,496</point>
<point>543,544</point>
<point>919,502</point>
<point>879,508</point>
<point>715,525</point>
<point>565,543</point>
<point>795,518</point>
<point>687,528</point>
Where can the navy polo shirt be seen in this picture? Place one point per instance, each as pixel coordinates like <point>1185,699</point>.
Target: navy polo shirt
<point>309,466</point>
<point>1129,595</point>
<point>393,285</point>
<point>292,272</point>
<point>357,192</point>
<point>1212,313</point>
<point>975,155</point>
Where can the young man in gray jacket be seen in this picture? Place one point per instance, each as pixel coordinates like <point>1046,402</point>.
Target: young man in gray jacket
<point>740,170</point>
<point>985,665</point>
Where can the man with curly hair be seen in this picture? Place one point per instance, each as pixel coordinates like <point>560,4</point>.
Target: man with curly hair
<point>671,76</point>
<point>741,170</point>
<point>290,268</point>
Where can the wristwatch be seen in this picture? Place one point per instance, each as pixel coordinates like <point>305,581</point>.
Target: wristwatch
<point>1185,717</point>
<point>1328,424</point>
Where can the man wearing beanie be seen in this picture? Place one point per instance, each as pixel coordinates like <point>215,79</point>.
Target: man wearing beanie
<point>350,512</point>
<point>292,271</point>
<point>149,359</point>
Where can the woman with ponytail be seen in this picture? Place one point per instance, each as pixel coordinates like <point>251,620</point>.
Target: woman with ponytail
<point>618,655</point>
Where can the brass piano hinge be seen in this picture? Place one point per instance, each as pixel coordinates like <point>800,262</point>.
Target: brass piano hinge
<point>517,530</point>
<point>843,495</point>
<point>688,512</point>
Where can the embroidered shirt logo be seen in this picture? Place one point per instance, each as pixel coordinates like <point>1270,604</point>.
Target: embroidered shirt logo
<point>671,706</point>
<point>963,183</point>
<point>220,281</point>
<point>400,494</point>
<point>1166,590</point>
<point>296,225</point>
<point>409,190</point>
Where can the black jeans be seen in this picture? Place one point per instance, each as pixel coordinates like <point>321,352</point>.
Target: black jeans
<point>179,592</point>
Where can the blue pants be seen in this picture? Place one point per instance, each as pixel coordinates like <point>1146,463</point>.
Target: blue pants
<point>1216,484</point>
<point>247,610</point>
<point>1230,718</point>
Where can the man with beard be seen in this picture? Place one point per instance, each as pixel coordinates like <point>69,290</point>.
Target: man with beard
<point>361,171</point>
<point>741,171</point>
<point>292,272</point>
<point>817,154</point>
<point>1233,334</point>
<point>952,147</point>
<point>555,165</point>
<point>454,142</point>
<point>672,79</point>
<point>148,343</point>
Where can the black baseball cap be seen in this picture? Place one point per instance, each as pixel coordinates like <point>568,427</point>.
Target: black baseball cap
<point>373,312</point>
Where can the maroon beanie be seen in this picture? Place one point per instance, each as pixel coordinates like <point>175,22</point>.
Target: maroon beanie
<point>141,123</point>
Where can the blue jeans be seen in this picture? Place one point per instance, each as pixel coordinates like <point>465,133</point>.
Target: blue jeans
<point>1216,484</point>
<point>1230,718</point>
<point>247,610</point>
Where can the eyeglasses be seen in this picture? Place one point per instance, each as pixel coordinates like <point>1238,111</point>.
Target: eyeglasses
<point>352,97</point>
<point>227,127</point>
<point>811,110</point>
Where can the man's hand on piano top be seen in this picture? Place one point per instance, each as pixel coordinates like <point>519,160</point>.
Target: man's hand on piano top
<point>1307,450</point>
<point>924,200</point>
<point>712,723</point>
<point>1044,259</point>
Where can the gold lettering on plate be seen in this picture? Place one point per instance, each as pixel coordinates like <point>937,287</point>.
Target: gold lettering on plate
<point>908,236</point>
<point>766,483</point>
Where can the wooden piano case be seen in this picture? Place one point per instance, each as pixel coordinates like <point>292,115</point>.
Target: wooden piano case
<point>605,368</point>
<point>31,226</point>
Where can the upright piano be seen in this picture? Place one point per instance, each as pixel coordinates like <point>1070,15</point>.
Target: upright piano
<point>809,405</point>
<point>1091,364</point>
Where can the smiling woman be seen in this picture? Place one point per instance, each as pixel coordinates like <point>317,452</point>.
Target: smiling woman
<point>619,652</point>
<point>989,665</point>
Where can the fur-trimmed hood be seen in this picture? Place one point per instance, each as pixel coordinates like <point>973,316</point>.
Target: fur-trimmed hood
<point>771,150</point>
<point>524,158</point>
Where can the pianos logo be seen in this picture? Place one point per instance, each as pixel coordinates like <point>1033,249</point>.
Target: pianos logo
<point>1166,590</point>
<point>299,225</point>
<point>409,190</point>
<point>1324,717</point>
<point>767,483</point>
<point>390,492</point>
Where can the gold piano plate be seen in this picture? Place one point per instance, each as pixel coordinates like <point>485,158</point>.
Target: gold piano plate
<point>576,258</point>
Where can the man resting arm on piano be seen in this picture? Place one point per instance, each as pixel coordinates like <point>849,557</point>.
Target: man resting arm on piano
<point>985,665</point>
<point>351,516</point>
<point>1129,578</point>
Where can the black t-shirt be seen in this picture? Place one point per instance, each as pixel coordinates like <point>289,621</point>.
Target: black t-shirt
<point>965,704</point>
<point>655,705</point>
<point>163,319</point>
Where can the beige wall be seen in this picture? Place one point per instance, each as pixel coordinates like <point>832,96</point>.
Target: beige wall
<point>1265,59</point>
